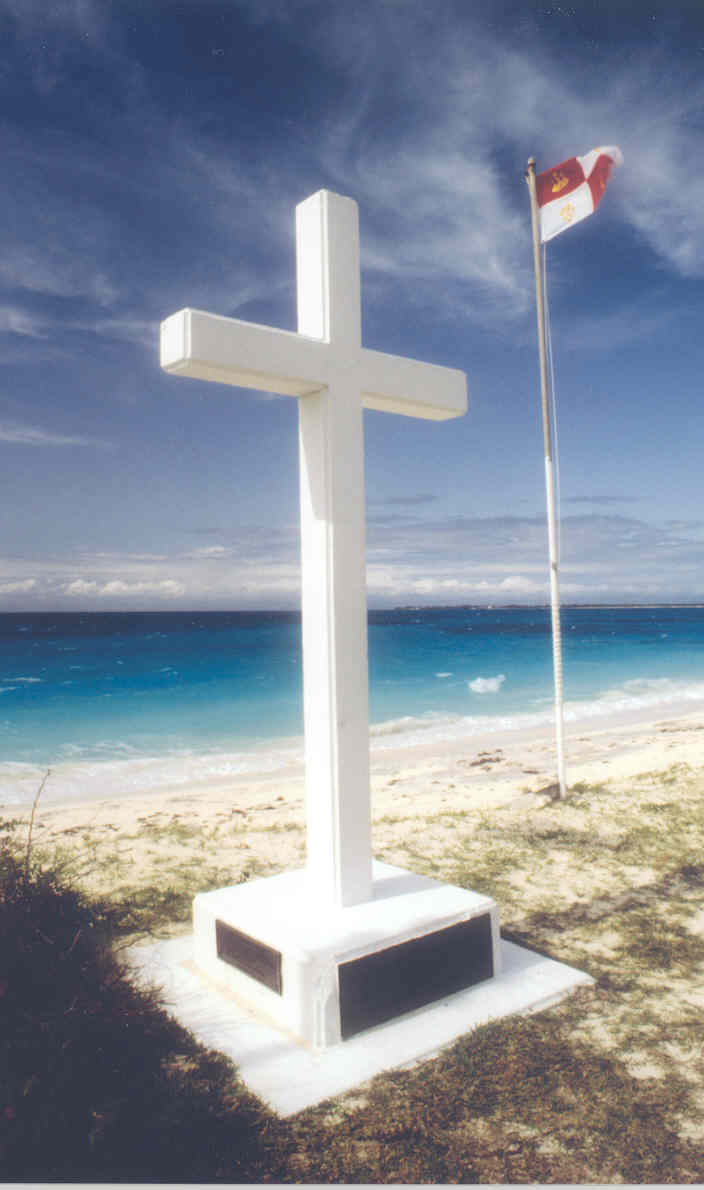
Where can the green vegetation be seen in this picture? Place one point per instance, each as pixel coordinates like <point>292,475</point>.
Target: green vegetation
<point>97,1083</point>
<point>516,1101</point>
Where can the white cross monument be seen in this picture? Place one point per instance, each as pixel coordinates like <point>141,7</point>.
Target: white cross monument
<point>351,942</point>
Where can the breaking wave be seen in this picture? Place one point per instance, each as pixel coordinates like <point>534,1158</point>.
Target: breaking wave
<point>487,685</point>
<point>113,769</point>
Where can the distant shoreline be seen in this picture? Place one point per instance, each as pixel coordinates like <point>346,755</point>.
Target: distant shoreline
<point>396,607</point>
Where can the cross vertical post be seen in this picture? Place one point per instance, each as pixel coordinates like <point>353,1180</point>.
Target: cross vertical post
<point>334,604</point>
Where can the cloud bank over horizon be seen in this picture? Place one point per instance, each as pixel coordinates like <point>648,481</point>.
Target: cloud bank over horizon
<point>495,560</point>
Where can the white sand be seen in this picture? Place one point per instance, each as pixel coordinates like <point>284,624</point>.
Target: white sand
<point>254,823</point>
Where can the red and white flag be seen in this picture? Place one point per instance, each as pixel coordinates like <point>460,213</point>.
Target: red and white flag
<point>572,190</point>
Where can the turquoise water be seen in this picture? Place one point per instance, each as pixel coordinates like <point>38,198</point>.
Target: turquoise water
<point>126,686</point>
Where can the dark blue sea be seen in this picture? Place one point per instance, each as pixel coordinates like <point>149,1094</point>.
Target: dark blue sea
<point>122,698</point>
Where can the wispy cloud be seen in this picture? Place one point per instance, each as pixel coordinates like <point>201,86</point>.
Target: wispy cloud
<point>20,435</point>
<point>166,589</point>
<point>599,499</point>
<point>17,321</point>
<point>79,18</point>
<point>58,33</point>
<point>212,551</point>
<point>407,501</point>
<point>18,587</point>
<point>430,128</point>
<point>471,100</point>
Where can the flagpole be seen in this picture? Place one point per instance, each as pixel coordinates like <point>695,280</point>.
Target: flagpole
<point>549,483</point>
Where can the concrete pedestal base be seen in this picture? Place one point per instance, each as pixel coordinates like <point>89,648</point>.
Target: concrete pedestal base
<point>284,1035</point>
<point>327,971</point>
<point>326,974</point>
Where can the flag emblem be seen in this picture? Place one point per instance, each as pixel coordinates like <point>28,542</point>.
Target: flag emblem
<point>583,179</point>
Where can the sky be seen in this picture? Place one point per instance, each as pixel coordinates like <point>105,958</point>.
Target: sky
<point>153,155</point>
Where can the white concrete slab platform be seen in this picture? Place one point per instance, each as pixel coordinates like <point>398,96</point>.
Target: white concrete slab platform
<point>290,1075</point>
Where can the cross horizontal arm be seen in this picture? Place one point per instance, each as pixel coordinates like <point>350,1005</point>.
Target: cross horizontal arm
<point>396,384</point>
<point>210,347</point>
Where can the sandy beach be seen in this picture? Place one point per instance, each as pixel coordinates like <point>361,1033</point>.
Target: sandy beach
<point>254,824</point>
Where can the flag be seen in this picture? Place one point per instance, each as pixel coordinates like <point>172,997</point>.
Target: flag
<point>572,190</point>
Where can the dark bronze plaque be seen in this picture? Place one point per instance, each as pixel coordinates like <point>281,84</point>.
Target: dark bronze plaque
<point>381,986</point>
<point>256,959</point>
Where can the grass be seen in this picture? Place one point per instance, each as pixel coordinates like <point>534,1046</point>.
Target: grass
<point>516,1101</point>
<point>96,1081</point>
<point>99,1084</point>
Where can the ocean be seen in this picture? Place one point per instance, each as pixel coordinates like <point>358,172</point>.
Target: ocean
<point>129,701</point>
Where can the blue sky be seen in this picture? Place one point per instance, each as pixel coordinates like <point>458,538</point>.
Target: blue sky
<point>154,152</point>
